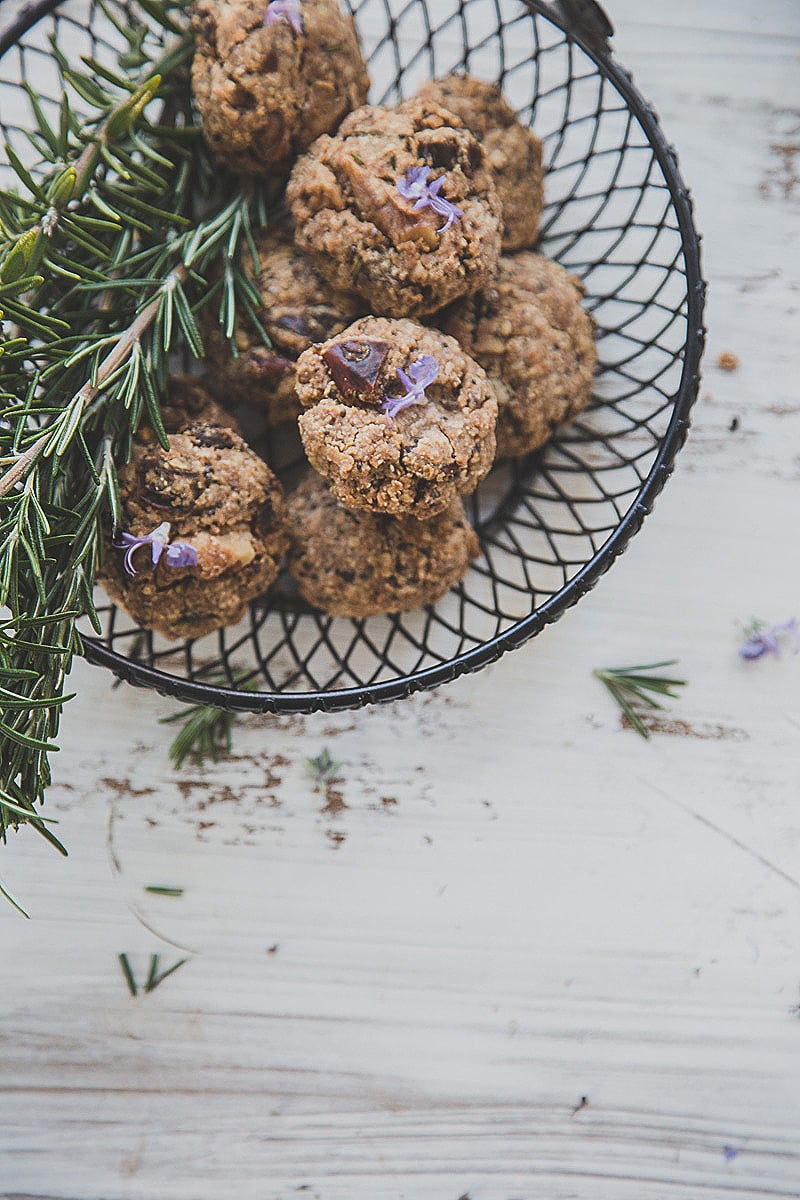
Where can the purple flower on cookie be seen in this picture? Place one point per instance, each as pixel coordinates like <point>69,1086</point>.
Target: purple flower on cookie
<point>421,374</point>
<point>290,11</point>
<point>415,186</point>
<point>179,554</point>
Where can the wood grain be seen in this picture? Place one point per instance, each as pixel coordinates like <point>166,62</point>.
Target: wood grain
<point>404,987</point>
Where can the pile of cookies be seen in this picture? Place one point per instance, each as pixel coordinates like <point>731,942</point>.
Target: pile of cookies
<point>414,336</point>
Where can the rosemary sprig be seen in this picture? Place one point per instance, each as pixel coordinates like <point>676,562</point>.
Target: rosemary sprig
<point>207,732</point>
<point>633,688</point>
<point>106,262</point>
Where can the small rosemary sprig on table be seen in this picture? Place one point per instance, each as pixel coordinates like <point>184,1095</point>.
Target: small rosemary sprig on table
<point>105,263</point>
<point>207,732</point>
<point>634,687</point>
<point>323,767</point>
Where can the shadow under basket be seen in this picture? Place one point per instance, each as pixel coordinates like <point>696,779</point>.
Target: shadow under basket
<point>618,214</point>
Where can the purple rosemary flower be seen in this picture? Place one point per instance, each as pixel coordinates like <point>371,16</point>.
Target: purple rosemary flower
<point>762,640</point>
<point>414,186</point>
<point>421,374</point>
<point>290,11</point>
<point>179,554</point>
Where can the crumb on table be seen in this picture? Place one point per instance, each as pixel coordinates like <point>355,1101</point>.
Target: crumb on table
<point>728,361</point>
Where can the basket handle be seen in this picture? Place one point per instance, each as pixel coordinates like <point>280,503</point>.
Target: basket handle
<point>585,18</point>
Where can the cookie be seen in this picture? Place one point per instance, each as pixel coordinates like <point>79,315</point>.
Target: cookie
<point>358,564</point>
<point>401,207</point>
<point>537,345</point>
<point>513,152</point>
<point>399,419</point>
<point>269,78</point>
<point>203,527</point>
<point>297,309</point>
<point>188,402</point>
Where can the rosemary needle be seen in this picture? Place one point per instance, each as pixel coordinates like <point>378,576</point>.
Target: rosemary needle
<point>128,973</point>
<point>148,987</point>
<point>633,688</point>
<point>158,890</point>
<point>156,980</point>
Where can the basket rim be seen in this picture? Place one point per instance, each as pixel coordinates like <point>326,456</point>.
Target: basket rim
<point>401,687</point>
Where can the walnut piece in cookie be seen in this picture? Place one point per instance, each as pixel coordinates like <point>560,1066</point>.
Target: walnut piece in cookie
<point>358,564</point>
<point>513,152</point>
<point>297,309</point>
<point>537,344</point>
<point>223,513</point>
<point>269,78</point>
<point>400,420</point>
<point>399,206</point>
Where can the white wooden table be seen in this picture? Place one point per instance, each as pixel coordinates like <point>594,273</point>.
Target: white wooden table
<point>407,990</point>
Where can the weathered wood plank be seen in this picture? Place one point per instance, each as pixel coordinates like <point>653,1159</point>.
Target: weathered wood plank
<point>405,988</point>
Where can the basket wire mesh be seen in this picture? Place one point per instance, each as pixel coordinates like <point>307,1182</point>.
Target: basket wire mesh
<point>617,213</point>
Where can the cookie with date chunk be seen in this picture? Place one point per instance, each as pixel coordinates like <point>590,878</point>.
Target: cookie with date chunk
<point>398,419</point>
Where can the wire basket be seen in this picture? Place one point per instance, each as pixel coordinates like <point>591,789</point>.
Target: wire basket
<point>617,213</point>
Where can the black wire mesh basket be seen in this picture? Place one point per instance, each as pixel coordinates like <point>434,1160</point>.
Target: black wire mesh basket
<point>617,213</point>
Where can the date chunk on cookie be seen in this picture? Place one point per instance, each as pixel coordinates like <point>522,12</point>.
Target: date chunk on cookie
<point>537,344</point>
<point>399,419</point>
<point>269,78</point>
<point>358,564</point>
<point>297,309</point>
<point>399,206</point>
<point>223,513</point>
<point>513,152</point>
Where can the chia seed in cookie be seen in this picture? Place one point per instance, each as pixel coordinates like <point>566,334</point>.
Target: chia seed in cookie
<point>358,564</point>
<point>269,78</point>
<point>297,309</point>
<point>399,419</point>
<point>537,345</point>
<point>399,206</point>
<point>513,152</point>
<point>223,505</point>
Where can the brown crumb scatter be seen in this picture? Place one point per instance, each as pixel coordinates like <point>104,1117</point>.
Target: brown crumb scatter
<point>334,801</point>
<point>124,787</point>
<point>675,728</point>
